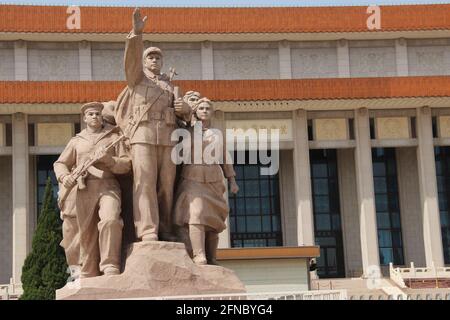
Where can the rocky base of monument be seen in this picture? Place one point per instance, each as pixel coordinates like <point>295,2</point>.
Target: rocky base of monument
<point>155,269</point>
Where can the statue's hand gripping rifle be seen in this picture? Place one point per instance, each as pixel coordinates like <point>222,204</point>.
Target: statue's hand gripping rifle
<point>81,171</point>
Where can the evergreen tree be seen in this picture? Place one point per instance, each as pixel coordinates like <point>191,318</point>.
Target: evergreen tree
<point>44,269</point>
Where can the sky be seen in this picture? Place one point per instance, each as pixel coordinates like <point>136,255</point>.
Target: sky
<point>218,3</point>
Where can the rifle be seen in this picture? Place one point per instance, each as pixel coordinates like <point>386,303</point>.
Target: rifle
<point>81,170</point>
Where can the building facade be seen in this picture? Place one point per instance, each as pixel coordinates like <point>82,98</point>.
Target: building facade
<point>364,119</point>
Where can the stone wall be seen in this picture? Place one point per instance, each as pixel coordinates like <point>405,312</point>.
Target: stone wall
<point>48,61</point>
<point>246,61</point>
<point>238,60</point>
<point>184,57</point>
<point>429,57</point>
<point>6,61</point>
<point>314,60</point>
<point>107,61</point>
<point>372,58</point>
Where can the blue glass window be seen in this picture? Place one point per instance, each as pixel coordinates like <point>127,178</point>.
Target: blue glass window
<point>327,219</point>
<point>387,206</point>
<point>255,210</point>
<point>44,166</point>
<point>442,156</point>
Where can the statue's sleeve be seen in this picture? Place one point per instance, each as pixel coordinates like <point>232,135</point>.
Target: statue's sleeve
<point>66,161</point>
<point>227,165</point>
<point>122,161</point>
<point>134,50</point>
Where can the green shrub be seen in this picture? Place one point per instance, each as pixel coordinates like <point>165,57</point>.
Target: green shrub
<point>44,269</point>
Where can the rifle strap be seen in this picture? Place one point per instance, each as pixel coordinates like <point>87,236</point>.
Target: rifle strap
<point>142,114</point>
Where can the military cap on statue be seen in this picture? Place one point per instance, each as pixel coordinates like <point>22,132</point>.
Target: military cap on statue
<point>92,105</point>
<point>152,50</point>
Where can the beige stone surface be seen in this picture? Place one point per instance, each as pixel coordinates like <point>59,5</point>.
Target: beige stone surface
<point>283,125</point>
<point>392,128</point>
<point>2,135</point>
<point>54,134</point>
<point>155,268</point>
<point>330,129</point>
<point>365,193</point>
<point>444,126</point>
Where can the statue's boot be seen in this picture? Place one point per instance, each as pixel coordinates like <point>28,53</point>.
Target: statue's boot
<point>183,236</point>
<point>212,242</point>
<point>167,236</point>
<point>197,235</point>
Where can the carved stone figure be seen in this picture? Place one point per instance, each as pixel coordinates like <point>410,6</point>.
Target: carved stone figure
<point>149,96</point>
<point>200,204</point>
<point>71,235</point>
<point>98,196</point>
<point>191,98</point>
<point>145,115</point>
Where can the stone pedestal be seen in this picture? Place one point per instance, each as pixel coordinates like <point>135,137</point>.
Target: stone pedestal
<point>155,269</point>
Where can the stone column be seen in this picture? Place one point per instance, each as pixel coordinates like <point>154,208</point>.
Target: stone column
<point>207,61</point>
<point>20,61</point>
<point>343,57</point>
<point>428,189</point>
<point>85,60</point>
<point>302,180</point>
<point>284,53</point>
<point>20,177</point>
<point>401,53</point>
<point>411,215</point>
<point>349,212</point>
<point>365,194</point>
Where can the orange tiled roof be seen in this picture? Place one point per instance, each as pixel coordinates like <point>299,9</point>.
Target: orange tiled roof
<point>225,20</point>
<point>235,90</point>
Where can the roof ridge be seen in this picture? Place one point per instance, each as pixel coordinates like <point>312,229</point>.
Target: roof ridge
<point>32,92</point>
<point>238,20</point>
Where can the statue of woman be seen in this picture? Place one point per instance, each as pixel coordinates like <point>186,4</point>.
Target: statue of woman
<point>200,205</point>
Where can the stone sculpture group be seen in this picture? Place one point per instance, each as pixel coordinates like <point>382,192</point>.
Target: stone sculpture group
<point>132,135</point>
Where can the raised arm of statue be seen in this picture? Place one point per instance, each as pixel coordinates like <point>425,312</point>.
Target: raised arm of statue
<point>134,49</point>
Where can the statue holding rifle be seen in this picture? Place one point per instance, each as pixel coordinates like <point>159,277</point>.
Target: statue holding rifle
<point>89,162</point>
<point>96,190</point>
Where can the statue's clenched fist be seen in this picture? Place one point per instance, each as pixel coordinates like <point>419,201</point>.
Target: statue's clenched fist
<point>181,107</point>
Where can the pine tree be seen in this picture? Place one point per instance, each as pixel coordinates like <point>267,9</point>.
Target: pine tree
<point>44,269</point>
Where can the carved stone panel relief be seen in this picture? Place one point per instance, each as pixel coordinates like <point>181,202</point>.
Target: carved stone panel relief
<point>314,63</point>
<point>392,128</point>
<point>283,125</point>
<point>6,64</point>
<point>429,60</point>
<point>246,64</point>
<point>187,63</point>
<point>373,62</point>
<point>54,134</point>
<point>330,129</point>
<point>444,126</point>
<point>107,64</point>
<point>48,63</point>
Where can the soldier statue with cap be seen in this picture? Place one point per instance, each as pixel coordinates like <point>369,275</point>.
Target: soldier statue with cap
<point>151,101</point>
<point>98,195</point>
